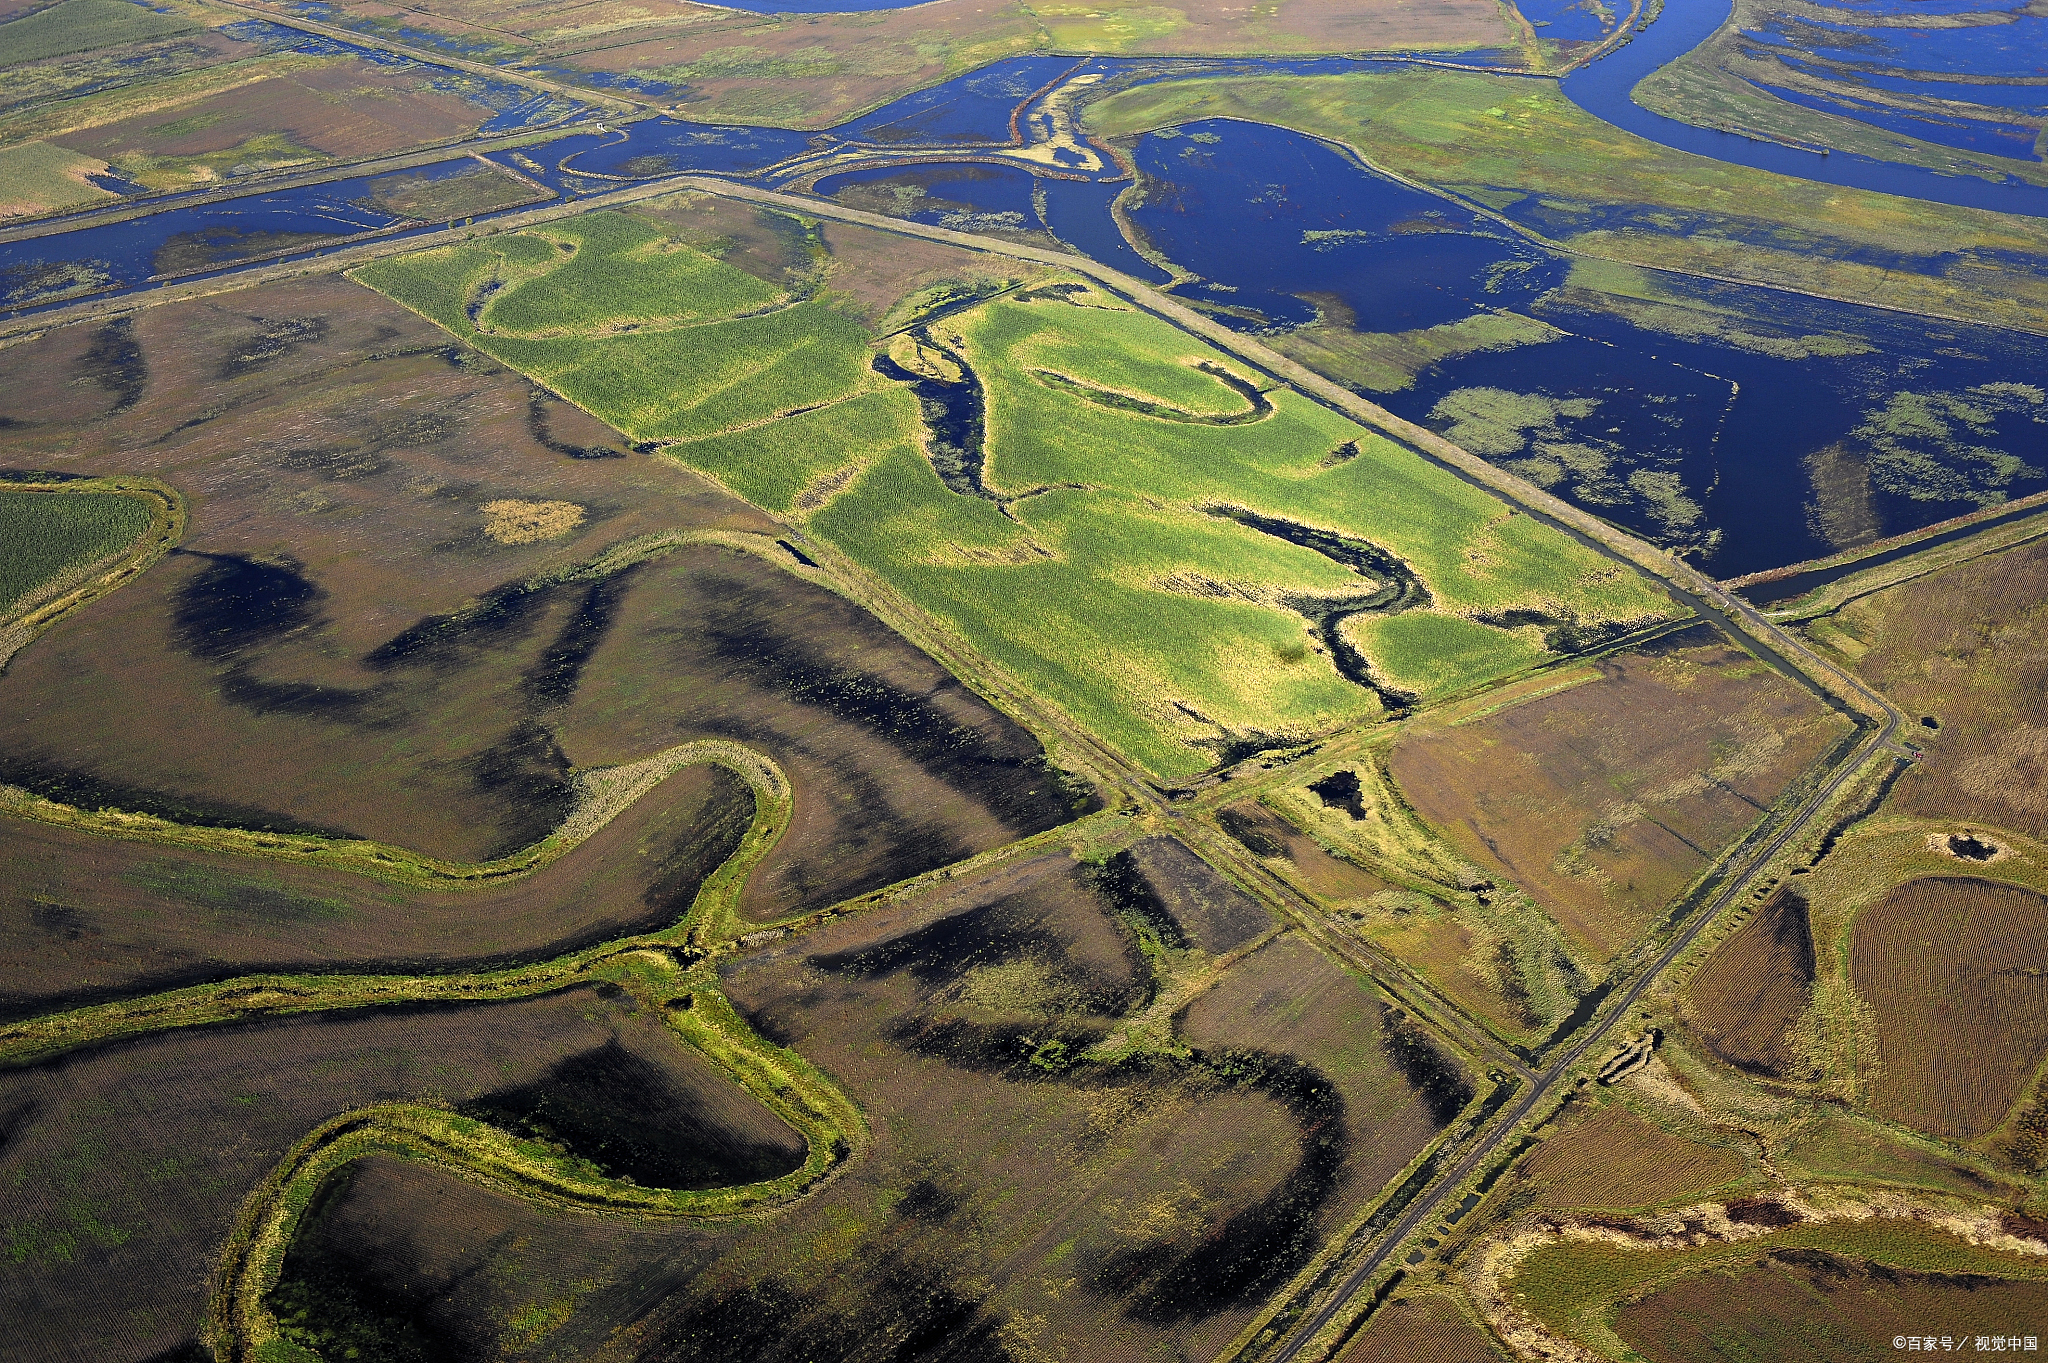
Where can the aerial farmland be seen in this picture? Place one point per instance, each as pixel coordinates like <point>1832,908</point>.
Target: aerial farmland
<point>1335,683</point>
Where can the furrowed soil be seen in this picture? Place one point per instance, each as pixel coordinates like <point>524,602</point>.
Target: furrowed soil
<point>1019,1200</point>
<point>1951,968</point>
<point>358,635</point>
<point>85,918</point>
<point>1422,1330</point>
<point>1966,647</point>
<point>1745,1000</point>
<point>1603,801</point>
<point>1810,1306</point>
<point>124,1166</point>
<point>1612,1159</point>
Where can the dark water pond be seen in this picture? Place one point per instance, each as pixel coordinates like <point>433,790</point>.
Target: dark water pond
<point>1750,427</point>
<point>1602,88</point>
<point>965,197</point>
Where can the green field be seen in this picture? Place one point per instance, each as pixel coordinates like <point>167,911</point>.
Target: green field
<point>80,26</point>
<point>1122,459</point>
<point>45,535</point>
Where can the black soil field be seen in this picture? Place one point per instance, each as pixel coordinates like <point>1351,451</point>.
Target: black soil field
<point>123,1167</point>
<point>1951,967</point>
<point>349,643</point>
<point>1020,1200</point>
<point>1746,998</point>
<point>1209,911</point>
<point>84,918</point>
<point>1808,1306</point>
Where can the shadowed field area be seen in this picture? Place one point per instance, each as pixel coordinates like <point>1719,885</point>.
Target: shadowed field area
<point>1027,1194</point>
<point>124,1166</point>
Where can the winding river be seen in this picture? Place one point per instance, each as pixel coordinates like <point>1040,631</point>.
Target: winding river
<point>1603,88</point>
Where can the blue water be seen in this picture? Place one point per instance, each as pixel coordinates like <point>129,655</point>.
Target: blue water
<point>1078,213</point>
<point>1572,20</point>
<point>2020,98</point>
<point>654,147</point>
<point>1278,223</point>
<point>967,198</point>
<point>1964,134</point>
<point>1602,89</point>
<point>125,255</point>
<point>2014,48</point>
<point>973,108</point>
<point>1259,211</point>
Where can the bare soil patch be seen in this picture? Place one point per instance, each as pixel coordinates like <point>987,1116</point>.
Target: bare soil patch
<point>1952,970</point>
<point>1330,878</point>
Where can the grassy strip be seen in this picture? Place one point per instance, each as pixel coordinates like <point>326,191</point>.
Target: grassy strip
<point>75,586</point>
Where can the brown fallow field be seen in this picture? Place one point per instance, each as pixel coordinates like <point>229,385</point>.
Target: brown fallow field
<point>1019,1199</point>
<point>1952,970</point>
<point>359,635</point>
<point>815,70</point>
<point>1810,1306</point>
<point>1603,801</point>
<point>125,1165</point>
<point>85,917</point>
<point>1422,1329</point>
<point>1744,1001</point>
<point>1965,647</point>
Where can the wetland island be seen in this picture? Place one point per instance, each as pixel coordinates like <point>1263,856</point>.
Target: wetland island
<point>833,681</point>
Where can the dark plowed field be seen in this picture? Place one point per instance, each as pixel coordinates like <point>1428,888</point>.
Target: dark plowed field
<point>123,1167</point>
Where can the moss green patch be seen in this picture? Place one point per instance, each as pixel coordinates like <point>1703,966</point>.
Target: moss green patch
<point>80,26</point>
<point>46,536</point>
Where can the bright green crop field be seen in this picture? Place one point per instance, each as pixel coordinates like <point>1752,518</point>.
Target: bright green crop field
<point>46,534</point>
<point>1135,560</point>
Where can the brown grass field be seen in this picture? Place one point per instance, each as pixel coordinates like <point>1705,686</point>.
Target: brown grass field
<point>1809,1306</point>
<point>84,918</point>
<point>1747,997</point>
<point>1611,1159</point>
<point>1427,1329</point>
<point>1968,648</point>
<point>1952,969</point>
<point>339,455</point>
<point>124,1166</point>
<point>814,70</point>
<point>1603,801</point>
